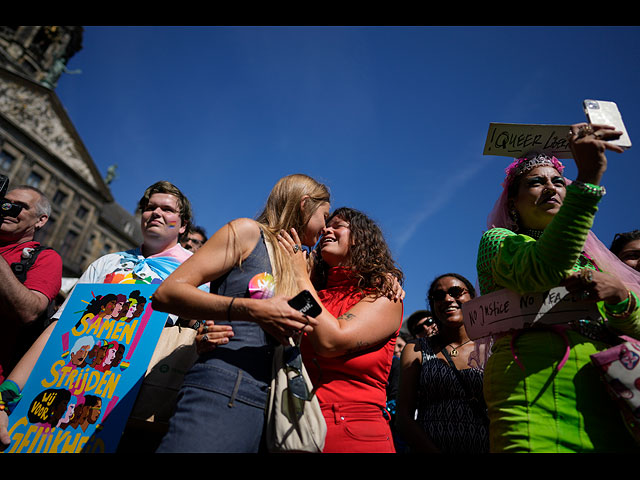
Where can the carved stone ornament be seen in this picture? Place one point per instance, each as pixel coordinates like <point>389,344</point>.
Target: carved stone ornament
<point>34,113</point>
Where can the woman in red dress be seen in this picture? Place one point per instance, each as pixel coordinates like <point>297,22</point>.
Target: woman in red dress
<point>348,355</point>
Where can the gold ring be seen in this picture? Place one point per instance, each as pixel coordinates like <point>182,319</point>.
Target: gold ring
<point>584,131</point>
<point>571,134</point>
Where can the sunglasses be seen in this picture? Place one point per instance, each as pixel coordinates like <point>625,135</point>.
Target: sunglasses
<point>297,385</point>
<point>455,292</point>
<point>427,323</point>
<point>422,326</point>
<point>195,241</point>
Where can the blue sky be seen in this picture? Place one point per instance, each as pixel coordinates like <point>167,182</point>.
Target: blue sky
<point>392,119</point>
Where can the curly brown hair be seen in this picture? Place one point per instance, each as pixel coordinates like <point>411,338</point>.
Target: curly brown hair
<point>369,255</point>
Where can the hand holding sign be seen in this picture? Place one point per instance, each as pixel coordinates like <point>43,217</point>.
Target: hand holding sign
<point>595,286</point>
<point>516,140</point>
<point>505,310</point>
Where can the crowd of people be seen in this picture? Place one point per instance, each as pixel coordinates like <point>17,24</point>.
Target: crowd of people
<point>427,387</point>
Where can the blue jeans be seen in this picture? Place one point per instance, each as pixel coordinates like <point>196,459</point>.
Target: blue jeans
<point>220,409</point>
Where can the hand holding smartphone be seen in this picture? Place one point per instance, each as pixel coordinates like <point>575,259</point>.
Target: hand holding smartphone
<point>306,304</point>
<point>607,113</point>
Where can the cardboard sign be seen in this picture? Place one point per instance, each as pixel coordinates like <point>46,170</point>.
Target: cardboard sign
<point>516,140</point>
<point>81,391</point>
<point>505,310</point>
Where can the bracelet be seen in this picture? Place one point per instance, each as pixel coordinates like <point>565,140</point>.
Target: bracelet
<point>590,188</point>
<point>627,311</point>
<point>10,395</point>
<point>229,308</point>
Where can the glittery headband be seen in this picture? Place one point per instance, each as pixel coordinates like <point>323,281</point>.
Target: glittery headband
<point>522,165</point>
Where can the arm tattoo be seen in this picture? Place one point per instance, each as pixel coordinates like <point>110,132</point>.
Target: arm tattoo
<point>346,316</point>
<point>359,347</point>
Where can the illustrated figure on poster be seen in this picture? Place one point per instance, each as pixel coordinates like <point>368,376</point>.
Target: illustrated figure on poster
<point>118,356</point>
<point>80,350</point>
<point>79,415</point>
<point>135,304</point>
<point>93,409</point>
<point>69,413</point>
<point>49,406</point>
<point>110,351</point>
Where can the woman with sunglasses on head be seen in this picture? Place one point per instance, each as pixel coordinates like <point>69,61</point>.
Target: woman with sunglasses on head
<point>223,398</point>
<point>436,379</point>
<point>348,354</point>
<point>542,392</point>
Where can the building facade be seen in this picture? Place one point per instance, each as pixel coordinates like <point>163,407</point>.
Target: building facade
<point>39,146</point>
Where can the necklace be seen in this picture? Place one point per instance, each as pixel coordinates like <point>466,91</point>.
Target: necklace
<point>533,233</point>
<point>454,350</point>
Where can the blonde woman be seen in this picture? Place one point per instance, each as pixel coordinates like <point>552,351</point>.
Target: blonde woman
<point>222,401</point>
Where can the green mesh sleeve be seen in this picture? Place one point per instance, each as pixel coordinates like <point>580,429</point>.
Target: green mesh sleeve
<point>522,264</point>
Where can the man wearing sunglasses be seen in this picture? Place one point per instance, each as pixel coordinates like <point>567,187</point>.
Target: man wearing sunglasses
<point>25,301</point>
<point>421,324</point>
<point>194,239</point>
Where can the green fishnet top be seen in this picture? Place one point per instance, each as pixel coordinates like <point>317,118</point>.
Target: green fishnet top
<point>525,265</point>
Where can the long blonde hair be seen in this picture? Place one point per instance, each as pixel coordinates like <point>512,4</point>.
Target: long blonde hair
<point>283,212</point>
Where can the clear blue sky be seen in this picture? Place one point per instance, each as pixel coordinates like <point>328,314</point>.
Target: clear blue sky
<point>392,119</point>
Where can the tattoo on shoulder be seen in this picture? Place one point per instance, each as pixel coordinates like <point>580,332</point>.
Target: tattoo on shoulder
<point>346,316</point>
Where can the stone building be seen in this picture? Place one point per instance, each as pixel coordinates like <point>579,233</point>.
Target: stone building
<point>39,146</point>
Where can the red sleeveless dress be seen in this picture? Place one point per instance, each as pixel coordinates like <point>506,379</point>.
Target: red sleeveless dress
<point>351,388</point>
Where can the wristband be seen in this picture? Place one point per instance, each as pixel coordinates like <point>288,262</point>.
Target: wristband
<point>590,188</point>
<point>9,396</point>
<point>624,308</point>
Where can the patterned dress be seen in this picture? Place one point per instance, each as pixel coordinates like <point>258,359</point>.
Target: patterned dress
<point>455,423</point>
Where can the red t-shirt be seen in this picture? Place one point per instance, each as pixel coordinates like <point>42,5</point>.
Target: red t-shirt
<point>44,276</point>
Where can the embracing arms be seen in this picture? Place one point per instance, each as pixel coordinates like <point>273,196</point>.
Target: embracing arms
<point>371,321</point>
<point>179,293</point>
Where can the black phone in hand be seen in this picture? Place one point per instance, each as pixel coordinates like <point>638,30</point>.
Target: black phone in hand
<point>306,304</point>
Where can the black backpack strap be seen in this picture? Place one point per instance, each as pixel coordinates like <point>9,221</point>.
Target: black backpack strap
<point>21,268</point>
<point>29,333</point>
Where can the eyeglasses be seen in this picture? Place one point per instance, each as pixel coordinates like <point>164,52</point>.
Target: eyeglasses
<point>455,292</point>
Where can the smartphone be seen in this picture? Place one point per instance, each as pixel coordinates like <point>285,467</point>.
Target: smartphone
<point>607,113</point>
<point>305,303</point>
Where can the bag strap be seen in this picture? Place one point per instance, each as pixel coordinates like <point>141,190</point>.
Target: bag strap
<point>270,252</point>
<point>21,268</point>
